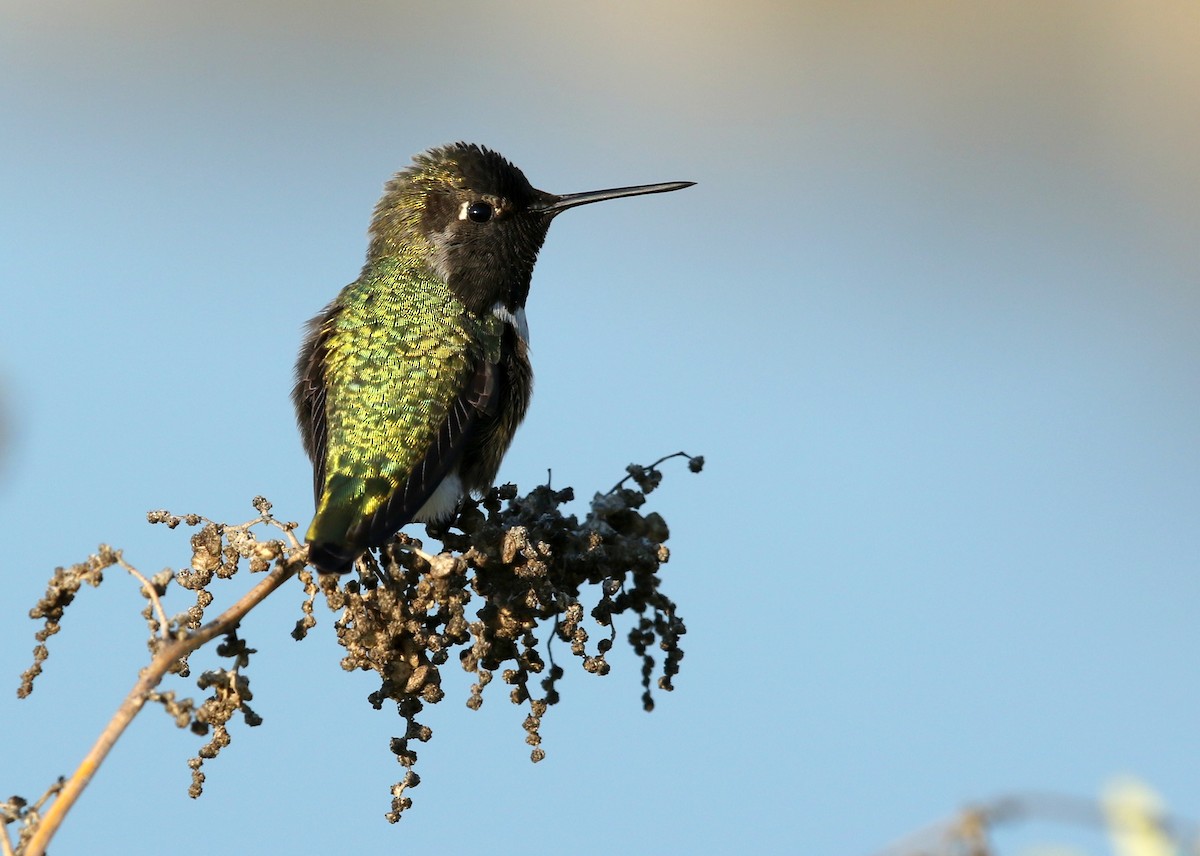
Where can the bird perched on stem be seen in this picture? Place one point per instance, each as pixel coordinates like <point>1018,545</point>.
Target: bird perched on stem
<point>411,383</point>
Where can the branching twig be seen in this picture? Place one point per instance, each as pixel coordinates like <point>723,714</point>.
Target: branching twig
<point>150,678</point>
<point>404,617</point>
<point>151,594</point>
<point>640,474</point>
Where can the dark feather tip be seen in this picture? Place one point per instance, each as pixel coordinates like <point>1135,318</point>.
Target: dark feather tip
<point>329,558</point>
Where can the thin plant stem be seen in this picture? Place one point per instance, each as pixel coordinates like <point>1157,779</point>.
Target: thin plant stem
<point>151,676</point>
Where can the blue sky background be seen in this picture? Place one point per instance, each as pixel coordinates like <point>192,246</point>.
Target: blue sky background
<point>931,314</point>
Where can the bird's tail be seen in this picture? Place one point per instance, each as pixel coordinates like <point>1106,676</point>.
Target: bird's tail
<point>332,545</point>
<point>329,557</point>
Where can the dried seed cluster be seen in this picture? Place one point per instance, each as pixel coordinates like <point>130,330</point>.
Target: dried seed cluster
<point>527,566</point>
<point>217,552</point>
<point>531,566</point>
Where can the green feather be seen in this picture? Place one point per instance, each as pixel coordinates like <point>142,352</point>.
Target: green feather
<point>400,350</point>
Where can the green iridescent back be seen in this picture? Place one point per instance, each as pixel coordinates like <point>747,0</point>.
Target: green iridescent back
<point>398,351</point>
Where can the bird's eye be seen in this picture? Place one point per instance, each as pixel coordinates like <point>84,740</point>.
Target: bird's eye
<point>479,212</point>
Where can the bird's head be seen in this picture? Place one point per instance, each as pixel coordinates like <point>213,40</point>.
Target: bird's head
<point>475,220</point>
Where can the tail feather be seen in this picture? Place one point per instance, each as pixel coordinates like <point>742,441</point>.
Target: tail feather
<point>331,558</point>
<point>334,536</point>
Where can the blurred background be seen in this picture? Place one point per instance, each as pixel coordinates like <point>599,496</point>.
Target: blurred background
<point>930,313</point>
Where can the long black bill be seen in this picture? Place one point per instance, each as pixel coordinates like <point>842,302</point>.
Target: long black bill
<point>555,204</point>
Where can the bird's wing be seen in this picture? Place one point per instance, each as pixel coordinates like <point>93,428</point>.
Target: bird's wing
<point>308,395</point>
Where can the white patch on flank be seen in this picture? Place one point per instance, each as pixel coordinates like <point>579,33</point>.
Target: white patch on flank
<point>443,502</point>
<point>517,320</point>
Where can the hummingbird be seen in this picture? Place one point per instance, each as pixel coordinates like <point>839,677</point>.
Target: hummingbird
<point>412,382</point>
